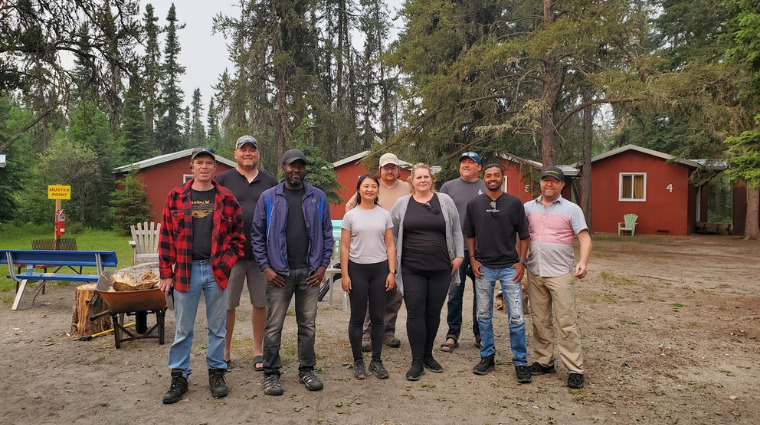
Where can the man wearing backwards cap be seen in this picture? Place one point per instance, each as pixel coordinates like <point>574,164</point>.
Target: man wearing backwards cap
<point>462,190</point>
<point>391,188</point>
<point>292,242</point>
<point>553,222</point>
<point>201,238</point>
<point>247,183</point>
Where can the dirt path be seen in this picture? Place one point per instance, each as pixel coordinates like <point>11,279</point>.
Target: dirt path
<point>670,328</point>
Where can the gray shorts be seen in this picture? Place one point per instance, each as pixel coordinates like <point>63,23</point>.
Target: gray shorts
<point>246,273</point>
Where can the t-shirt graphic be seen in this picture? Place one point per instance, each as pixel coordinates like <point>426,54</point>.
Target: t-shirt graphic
<point>202,208</point>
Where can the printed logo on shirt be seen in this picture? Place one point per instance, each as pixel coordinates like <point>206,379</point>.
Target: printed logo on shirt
<point>480,191</point>
<point>202,209</point>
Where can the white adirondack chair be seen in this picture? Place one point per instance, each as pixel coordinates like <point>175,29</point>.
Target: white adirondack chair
<point>144,242</point>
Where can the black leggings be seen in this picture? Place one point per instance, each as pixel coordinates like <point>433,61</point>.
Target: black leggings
<point>367,282</point>
<point>424,294</point>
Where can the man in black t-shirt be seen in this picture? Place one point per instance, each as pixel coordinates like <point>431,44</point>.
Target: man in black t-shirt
<point>247,183</point>
<point>492,226</point>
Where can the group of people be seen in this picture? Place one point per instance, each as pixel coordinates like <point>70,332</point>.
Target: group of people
<point>400,242</point>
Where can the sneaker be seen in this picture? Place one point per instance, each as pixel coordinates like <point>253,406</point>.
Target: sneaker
<point>177,387</point>
<point>486,365</point>
<point>359,371</point>
<point>216,383</point>
<point>432,365</point>
<point>392,341</point>
<point>272,385</point>
<point>523,374</point>
<point>376,367</point>
<point>311,380</point>
<point>366,347</point>
<point>575,381</point>
<point>538,369</point>
<point>414,372</point>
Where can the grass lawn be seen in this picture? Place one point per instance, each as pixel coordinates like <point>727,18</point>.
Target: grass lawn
<point>13,237</point>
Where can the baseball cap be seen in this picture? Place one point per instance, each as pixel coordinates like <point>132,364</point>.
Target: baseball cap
<point>472,155</point>
<point>293,155</point>
<point>202,150</point>
<point>246,139</point>
<point>553,171</point>
<point>388,158</point>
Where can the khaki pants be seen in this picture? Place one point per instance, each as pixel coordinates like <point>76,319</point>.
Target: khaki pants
<point>554,296</point>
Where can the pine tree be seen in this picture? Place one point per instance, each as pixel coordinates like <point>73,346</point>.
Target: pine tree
<point>151,73</point>
<point>134,139</point>
<point>197,132</point>
<point>169,132</point>
<point>129,204</point>
<point>214,139</point>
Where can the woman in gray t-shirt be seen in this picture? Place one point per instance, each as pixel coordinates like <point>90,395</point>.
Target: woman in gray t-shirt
<point>368,263</point>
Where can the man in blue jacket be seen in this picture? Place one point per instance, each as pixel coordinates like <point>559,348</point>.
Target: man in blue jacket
<point>292,242</point>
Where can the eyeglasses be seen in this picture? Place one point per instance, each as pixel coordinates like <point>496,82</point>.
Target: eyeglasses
<point>494,212</point>
<point>431,209</point>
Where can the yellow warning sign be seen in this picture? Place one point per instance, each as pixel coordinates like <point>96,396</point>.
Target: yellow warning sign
<point>57,191</point>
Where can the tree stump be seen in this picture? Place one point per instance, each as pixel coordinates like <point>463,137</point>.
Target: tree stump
<point>88,302</point>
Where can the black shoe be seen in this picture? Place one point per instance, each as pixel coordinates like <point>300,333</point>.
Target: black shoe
<point>376,367</point>
<point>177,387</point>
<point>359,371</point>
<point>432,365</point>
<point>366,347</point>
<point>391,342</point>
<point>216,383</point>
<point>414,372</point>
<point>486,365</point>
<point>272,385</point>
<point>575,381</point>
<point>311,380</point>
<point>523,374</point>
<point>538,369</point>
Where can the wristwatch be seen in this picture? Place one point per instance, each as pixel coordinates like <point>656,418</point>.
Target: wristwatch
<point>392,271</point>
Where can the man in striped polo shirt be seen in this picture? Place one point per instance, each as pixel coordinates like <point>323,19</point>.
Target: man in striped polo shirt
<point>553,222</point>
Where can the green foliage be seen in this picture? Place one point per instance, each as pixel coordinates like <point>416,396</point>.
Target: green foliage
<point>129,204</point>
<point>169,136</point>
<point>20,158</point>
<point>320,173</point>
<point>134,140</point>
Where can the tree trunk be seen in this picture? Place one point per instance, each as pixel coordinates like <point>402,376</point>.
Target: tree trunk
<point>87,302</point>
<point>586,159</point>
<point>752,225</point>
<point>553,80</point>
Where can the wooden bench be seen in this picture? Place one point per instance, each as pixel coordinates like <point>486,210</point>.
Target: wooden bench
<point>26,260</point>
<point>713,228</point>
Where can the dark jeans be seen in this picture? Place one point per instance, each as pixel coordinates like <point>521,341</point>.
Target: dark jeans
<point>456,298</point>
<point>278,301</point>
<point>424,294</point>
<point>367,283</point>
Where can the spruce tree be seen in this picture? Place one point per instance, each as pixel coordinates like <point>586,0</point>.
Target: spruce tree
<point>169,133</point>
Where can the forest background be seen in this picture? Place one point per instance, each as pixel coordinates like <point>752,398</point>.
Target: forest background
<point>554,81</point>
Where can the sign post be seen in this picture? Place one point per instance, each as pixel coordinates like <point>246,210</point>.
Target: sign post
<point>59,192</point>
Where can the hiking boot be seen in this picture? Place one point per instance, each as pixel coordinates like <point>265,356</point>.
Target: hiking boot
<point>272,385</point>
<point>177,387</point>
<point>391,341</point>
<point>359,371</point>
<point>432,365</point>
<point>486,365</point>
<point>414,372</point>
<point>523,374</point>
<point>575,381</point>
<point>538,369</point>
<point>216,383</point>
<point>311,380</point>
<point>376,367</point>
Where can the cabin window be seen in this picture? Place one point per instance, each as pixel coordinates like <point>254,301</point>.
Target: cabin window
<point>633,187</point>
<point>186,178</point>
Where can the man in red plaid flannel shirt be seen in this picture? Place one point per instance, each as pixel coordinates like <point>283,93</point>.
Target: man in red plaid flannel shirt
<point>201,238</point>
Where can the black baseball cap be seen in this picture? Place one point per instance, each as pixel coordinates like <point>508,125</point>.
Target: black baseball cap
<point>292,156</point>
<point>553,171</point>
<point>202,150</point>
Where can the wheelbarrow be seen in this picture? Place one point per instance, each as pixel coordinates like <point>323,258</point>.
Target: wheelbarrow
<point>141,303</point>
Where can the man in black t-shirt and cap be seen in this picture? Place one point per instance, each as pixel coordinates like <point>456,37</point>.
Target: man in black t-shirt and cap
<point>247,183</point>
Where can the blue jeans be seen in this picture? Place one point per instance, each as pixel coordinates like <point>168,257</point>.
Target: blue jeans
<point>278,301</point>
<point>185,309</point>
<point>513,298</point>
<point>456,298</point>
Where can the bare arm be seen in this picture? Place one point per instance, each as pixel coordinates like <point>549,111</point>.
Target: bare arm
<point>585,240</point>
<point>390,248</point>
<point>345,245</point>
<point>522,252</point>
